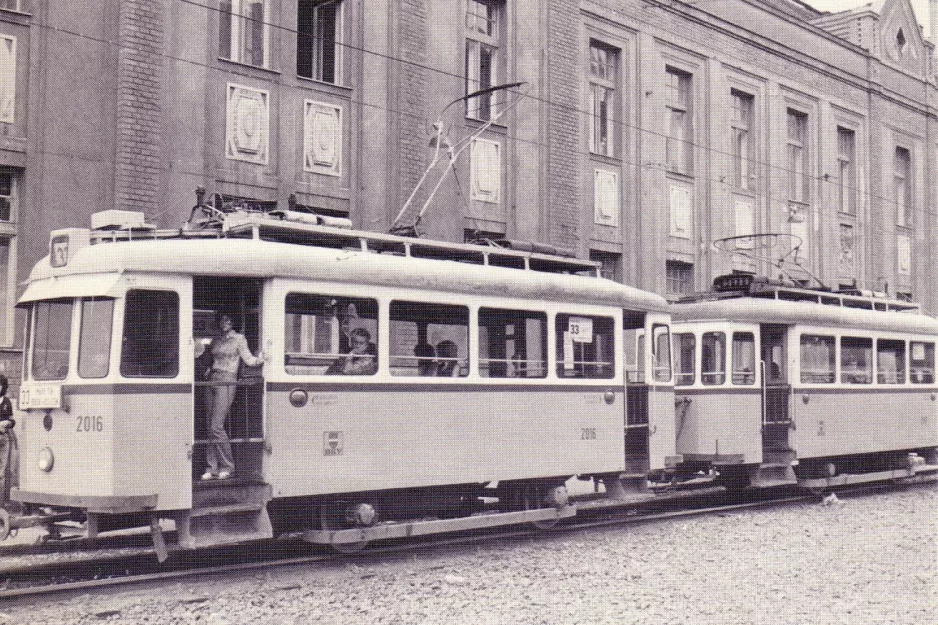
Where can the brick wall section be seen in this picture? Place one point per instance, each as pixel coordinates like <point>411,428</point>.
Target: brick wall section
<point>564,78</point>
<point>411,102</point>
<point>139,109</point>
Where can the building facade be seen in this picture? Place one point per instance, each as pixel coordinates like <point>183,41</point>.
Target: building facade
<point>637,132</point>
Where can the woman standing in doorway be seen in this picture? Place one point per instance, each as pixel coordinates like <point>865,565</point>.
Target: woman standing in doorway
<point>228,349</point>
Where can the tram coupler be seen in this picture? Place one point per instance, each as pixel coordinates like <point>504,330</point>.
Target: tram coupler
<point>10,523</point>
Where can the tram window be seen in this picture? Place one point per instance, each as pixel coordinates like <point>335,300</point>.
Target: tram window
<point>922,362</point>
<point>744,358</point>
<point>319,331</point>
<point>713,358</point>
<point>856,360</point>
<point>890,361</point>
<point>635,356</point>
<point>94,341</point>
<point>150,345</point>
<point>685,344</point>
<point>429,339</point>
<point>662,355</point>
<point>817,359</point>
<point>585,346</point>
<point>512,343</point>
<point>52,338</point>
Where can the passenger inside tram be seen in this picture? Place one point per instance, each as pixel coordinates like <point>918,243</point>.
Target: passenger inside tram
<point>447,358</point>
<point>426,359</point>
<point>362,357</point>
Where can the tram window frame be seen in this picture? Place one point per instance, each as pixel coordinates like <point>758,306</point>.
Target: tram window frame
<point>504,329</point>
<point>405,336</point>
<point>596,360</point>
<point>922,370</point>
<point>341,315</point>
<point>710,376</point>
<point>661,357</point>
<point>634,348</point>
<point>143,335</point>
<point>897,349</point>
<point>862,371</point>
<point>685,353</point>
<point>816,373</point>
<point>95,337</point>
<point>63,322</point>
<point>739,373</point>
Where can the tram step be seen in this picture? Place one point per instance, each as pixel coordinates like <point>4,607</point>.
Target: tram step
<point>226,510</point>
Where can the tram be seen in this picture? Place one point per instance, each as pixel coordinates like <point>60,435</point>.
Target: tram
<point>778,384</point>
<point>548,378</point>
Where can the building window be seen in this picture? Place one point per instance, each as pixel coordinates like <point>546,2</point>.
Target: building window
<point>483,58</point>
<point>680,279</point>
<point>243,31</point>
<point>743,140</point>
<point>680,128</point>
<point>846,171</point>
<point>609,264</point>
<point>603,82</point>
<point>902,187</point>
<point>318,35</point>
<point>797,156</point>
<point>7,79</point>
<point>248,124</point>
<point>7,192</point>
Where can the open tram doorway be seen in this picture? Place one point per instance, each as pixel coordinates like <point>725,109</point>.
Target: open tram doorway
<point>776,388</point>
<point>240,298</point>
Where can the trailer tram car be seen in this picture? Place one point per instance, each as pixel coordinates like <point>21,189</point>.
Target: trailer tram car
<point>782,385</point>
<point>538,385</point>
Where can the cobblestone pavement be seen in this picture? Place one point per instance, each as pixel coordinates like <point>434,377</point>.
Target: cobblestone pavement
<point>867,560</point>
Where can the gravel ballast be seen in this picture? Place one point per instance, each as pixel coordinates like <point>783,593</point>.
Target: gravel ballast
<point>855,561</point>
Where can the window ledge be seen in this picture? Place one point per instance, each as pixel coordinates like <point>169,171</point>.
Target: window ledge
<point>248,65</point>
<point>323,83</point>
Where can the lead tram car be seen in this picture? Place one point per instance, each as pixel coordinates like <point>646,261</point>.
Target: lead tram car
<point>546,379</point>
<point>778,384</point>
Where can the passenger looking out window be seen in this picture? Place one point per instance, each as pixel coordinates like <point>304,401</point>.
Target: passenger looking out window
<point>429,339</point>
<point>320,335</point>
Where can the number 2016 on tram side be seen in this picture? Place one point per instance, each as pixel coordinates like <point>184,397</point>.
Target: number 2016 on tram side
<point>495,376</point>
<point>777,384</point>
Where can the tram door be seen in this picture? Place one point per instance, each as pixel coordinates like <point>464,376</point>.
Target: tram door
<point>241,299</point>
<point>776,389</point>
<point>637,448</point>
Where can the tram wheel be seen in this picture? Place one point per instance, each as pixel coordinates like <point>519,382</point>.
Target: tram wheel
<point>332,517</point>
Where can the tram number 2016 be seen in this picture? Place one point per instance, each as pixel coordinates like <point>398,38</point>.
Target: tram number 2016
<point>90,424</point>
<point>587,434</point>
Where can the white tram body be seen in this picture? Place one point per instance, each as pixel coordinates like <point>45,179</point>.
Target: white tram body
<point>112,389</point>
<point>782,385</point>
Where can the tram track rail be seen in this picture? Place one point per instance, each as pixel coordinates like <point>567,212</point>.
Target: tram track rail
<point>105,574</point>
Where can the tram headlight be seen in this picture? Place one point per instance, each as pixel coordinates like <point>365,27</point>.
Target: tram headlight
<point>46,459</point>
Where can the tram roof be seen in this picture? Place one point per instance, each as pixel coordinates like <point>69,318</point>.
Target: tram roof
<point>773,311</point>
<point>255,258</point>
